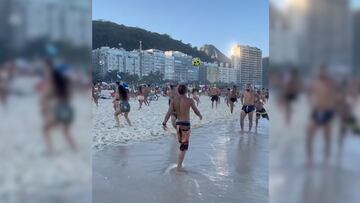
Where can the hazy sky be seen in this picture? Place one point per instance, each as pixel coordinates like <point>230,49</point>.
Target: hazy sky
<point>218,22</point>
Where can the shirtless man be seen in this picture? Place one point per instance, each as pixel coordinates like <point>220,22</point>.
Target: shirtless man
<point>214,94</point>
<point>260,110</point>
<point>248,102</point>
<point>322,103</point>
<point>182,107</point>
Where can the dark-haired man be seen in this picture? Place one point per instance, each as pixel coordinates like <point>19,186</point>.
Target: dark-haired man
<point>181,105</point>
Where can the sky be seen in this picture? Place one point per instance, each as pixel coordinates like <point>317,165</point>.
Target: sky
<point>222,23</point>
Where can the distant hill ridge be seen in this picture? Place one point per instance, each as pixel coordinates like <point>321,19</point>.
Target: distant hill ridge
<point>214,53</point>
<point>106,33</point>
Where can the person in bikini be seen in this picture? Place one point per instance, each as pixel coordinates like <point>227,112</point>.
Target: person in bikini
<point>122,105</point>
<point>181,105</point>
<point>248,108</point>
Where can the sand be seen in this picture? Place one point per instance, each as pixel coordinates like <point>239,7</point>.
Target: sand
<point>147,122</point>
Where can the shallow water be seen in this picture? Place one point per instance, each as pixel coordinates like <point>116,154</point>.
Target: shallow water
<point>221,166</point>
<point>291,181</point>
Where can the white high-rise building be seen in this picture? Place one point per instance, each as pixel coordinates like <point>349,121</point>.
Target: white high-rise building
<point>132,65</point>
<point>55,20</point>
<point>227,75</point>
<point>169,72</point>
<point>212,72</point>
<point>248,61</point>
<point>109,59</point>
<point>147,63</point>
<point>159,60</point>
<point>182,65</point>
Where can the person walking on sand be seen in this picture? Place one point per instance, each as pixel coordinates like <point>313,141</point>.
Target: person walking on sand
<point>140,96</point>
<point>95,94</point>
<point>56,107</point>
<point>182,107</point>
<point>123,106</point>
<point>248,102</point>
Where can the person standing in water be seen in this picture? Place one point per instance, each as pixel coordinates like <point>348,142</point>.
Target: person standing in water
<point>233,95</point>
<point>322,102</point>
<point>182,106</point>
<point>214,94</point>
<point>248,102</point>
<point>260,110</point>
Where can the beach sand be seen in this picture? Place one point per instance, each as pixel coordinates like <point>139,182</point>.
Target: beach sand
<point>147,122</point>
<point>221,165</point>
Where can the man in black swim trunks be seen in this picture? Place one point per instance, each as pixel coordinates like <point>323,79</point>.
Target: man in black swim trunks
<point>214,94</point>
<point>181,105</point>
<point>322,100</point>
<point>260,110</point>
<point>248,102</point>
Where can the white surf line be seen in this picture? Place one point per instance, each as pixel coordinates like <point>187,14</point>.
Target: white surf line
<point>198,189</point>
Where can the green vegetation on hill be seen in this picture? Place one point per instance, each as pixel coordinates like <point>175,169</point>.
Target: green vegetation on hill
<point>110,34</point>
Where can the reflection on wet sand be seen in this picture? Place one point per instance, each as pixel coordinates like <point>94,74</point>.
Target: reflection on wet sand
<point>221,166</point>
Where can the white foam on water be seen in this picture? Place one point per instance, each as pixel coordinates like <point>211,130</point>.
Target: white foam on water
<point>170,168</point>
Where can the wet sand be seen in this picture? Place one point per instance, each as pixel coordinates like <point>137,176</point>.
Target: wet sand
<point>221,166</point>
<point>290,181</point>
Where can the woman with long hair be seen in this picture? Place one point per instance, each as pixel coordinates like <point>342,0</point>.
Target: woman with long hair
<point>123,106</point>
<point>56,105</point>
